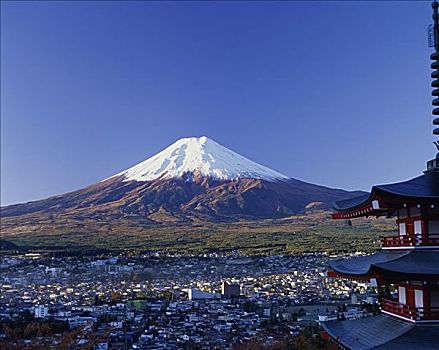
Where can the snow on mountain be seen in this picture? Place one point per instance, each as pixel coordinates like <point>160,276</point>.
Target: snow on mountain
<point>201,155</point>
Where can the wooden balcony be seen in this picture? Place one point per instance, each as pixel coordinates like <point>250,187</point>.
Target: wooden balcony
<point>398,241</point>
<point>410,241</point>
<point>410,312</point>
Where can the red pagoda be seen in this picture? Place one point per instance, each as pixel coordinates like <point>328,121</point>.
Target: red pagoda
<point>407,263</point>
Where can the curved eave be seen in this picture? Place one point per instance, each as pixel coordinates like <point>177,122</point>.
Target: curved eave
<point>360,278</point>
<point>354,203</point>
<point>362,266</point>
<point>382,332</point>
<point>385,198</point>
<point>392,263</point>
<point>368,205</point>
<point>416,264</point>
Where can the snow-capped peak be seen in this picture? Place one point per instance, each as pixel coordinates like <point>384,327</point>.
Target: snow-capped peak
<point>202,155</point>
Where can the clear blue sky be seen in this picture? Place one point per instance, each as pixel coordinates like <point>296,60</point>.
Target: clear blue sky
<point>334,93</point>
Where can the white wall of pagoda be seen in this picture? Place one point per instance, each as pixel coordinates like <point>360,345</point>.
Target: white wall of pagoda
<point>416,301</point>
<point>417,227</point>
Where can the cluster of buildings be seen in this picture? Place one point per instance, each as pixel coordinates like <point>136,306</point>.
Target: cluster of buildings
<point>164,302</point>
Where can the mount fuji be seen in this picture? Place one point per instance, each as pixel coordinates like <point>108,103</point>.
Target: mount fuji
<point>193,179</point>
<point>202,156</point>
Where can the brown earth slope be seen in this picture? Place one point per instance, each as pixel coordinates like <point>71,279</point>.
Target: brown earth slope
<point>178,199</point>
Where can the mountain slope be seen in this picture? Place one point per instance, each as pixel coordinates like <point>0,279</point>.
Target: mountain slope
<point>193,179</point>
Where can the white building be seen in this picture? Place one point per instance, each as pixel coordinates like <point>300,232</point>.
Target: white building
<point>354,299</point>
<point>194,294</point>
<point>326,318</point>
<point>41,311</point>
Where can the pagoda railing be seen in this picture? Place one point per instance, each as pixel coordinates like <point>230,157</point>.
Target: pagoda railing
<point>410,312</point>
<point>410,241</point>
<point>398,241</point>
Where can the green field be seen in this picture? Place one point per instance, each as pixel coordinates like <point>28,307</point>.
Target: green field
<point>297,234</point>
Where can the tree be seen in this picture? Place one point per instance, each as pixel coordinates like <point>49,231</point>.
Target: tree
<point>115,297</point>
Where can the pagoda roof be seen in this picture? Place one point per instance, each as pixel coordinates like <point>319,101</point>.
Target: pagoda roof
<point>422,188</point>
<point>391,262</point>
<point>383,332</point>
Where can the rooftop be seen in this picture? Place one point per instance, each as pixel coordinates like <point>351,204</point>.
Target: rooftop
<point>422,188</point>
<point>412,262</point>
<point>383,332</point>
